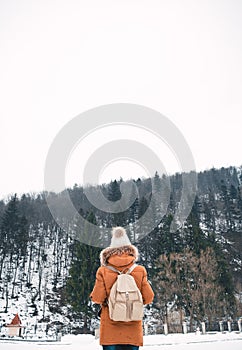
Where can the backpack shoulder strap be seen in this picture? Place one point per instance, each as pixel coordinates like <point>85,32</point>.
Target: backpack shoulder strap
<point>113,269</point>
<point>131,269</point>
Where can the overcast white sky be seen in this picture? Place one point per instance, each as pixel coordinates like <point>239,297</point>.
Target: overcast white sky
<point>60,58</point>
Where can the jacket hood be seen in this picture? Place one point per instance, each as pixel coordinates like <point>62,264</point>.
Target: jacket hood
<point>123,255</point>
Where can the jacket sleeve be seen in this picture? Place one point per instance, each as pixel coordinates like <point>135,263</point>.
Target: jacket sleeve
<point>99,294</point>
<point>146,290</point>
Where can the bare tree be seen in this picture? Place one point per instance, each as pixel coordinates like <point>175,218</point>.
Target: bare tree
<point>189,282</point>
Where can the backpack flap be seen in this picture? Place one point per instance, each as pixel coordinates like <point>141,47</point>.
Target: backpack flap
<point>126,282</point>
<point>126,288</point>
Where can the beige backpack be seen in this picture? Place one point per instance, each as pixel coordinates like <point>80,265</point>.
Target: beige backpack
<point>125,301</point>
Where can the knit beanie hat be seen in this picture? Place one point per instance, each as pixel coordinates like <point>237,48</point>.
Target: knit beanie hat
<point>119,237</point>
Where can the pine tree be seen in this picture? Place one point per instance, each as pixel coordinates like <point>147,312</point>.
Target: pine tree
<point>225,280</point>
<point>14,232</point>
<point>10,226</point>
<point>114,195</point>
<point>82,277</point>
<point>160,241</point>
<point>192,235</point>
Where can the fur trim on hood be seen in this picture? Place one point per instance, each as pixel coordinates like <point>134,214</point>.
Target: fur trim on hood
<point>109,251</point>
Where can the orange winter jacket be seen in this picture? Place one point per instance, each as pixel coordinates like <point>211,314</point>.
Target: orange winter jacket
<point>119,332</point>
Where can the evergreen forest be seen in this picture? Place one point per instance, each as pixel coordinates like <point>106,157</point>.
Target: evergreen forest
<point>195,270</point>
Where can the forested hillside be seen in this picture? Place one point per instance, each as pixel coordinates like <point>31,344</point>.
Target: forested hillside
<point>47,274</point>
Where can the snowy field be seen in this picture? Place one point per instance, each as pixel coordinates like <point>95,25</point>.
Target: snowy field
<point>213,341</point>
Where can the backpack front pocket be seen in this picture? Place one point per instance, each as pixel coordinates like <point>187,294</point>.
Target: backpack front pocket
<point>119,312</point>
<point>137,310</point>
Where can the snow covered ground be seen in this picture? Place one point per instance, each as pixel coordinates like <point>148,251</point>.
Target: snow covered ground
<point>191,341</point>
